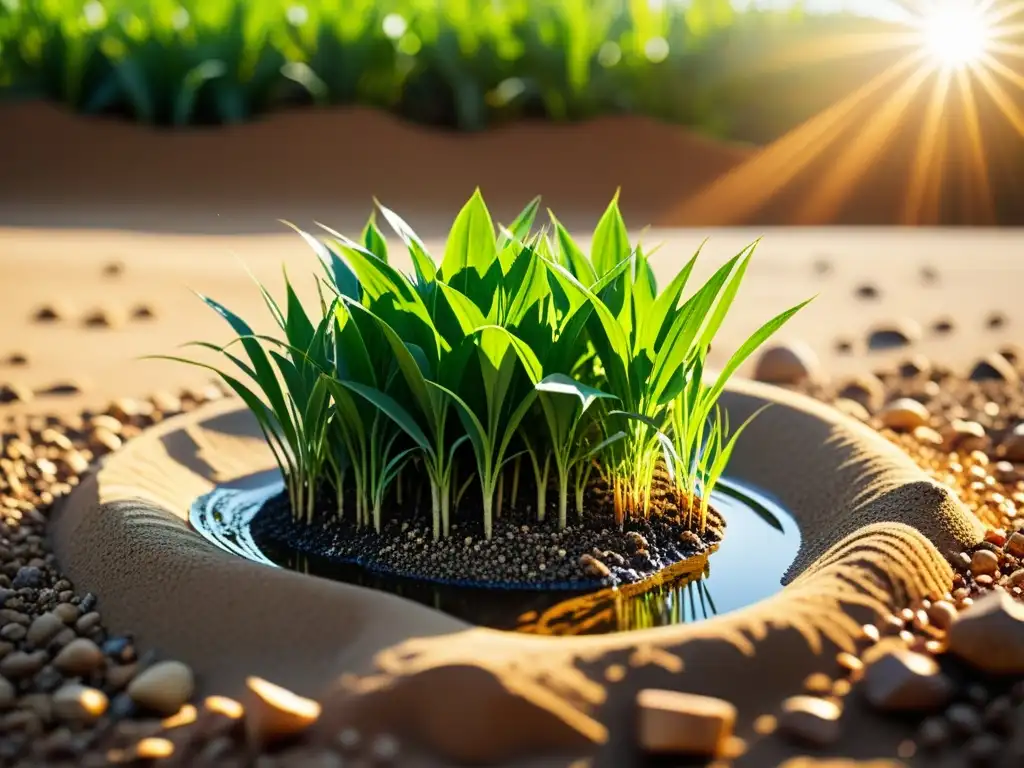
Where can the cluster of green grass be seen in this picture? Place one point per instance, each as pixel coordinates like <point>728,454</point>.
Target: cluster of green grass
<point>459,62</point>
<point>518,350</point>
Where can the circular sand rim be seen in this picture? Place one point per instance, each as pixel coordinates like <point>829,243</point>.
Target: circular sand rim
<point>873,528</point>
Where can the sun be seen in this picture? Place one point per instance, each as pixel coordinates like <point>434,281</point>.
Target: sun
<point>956,33</point>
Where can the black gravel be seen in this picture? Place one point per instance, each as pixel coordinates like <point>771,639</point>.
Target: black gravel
<point>522,553</point>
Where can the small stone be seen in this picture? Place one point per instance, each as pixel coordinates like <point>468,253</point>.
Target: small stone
<point>994,367</point>
<point>790,363</point>
<point>105,439</point>
<point>593,567</point>
<point>143,312</point>
<point>153,748</point>
<point>673,723</point>
<point>942,614</point>
<point>163,687</point>
<point>989,635</point>
<point>810,720</point>
<point>965,719</point>
<point>17,359</point>
<point>15,393</point>
<point>914,367</point>
<point>898,679</point>
<point>87,623</point>
<point>19,664</point>
<point>866,389</point>
<point>102,318</point>
<point>904,415</point>
<point>995,320</point>
<point>942,326</point>
<point>984,563</point>
<point>899,333</point>
<point>274,713</point>
<point>933,733</point>
<point>1015,544</point>
<point>79,657</point>
<point>965,436</point>
<point>867,291</point>
<point>1012,447</point>
<point>852,408</point>
<point>66,612</point>
<point>76,703</point>
<point>119,675</point>
<point>113,269</point>
<point>8,694</point>
<point>47,313</point>
<point>43,628</point>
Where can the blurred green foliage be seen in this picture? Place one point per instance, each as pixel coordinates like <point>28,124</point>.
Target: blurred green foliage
<point>459,63</point>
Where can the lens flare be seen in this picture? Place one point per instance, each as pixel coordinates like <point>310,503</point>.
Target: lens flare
<point>956,34</point>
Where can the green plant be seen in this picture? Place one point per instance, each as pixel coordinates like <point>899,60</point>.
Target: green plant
<point>517,345</point>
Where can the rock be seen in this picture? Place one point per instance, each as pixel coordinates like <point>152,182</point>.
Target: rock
<point>143,312</point>
<point>965,719</point>
<point>66,612</point>
<point>163,688</point>
<point>964,436</point>
<point>17,359</point>
<point>28,576</point>
<point>866,389</point>
<point>273,713</point>
<point>8,694</point>
<point>15,393</point>
<point>43,629</point>
<point>810,720</point>
<point>867,291</point>
<point>79,657</point>
<point>933,733</point>
<point>102,318</point>
<point>673,723</point>
<point>119,675</point>
<point>153,748</point>
<point>852,408</point>
<point>897,679</point>
<point>1012,447</point>
<point>47,313</point>
<point>62,388</point>
<point>989,635</point>
<point>904,415</point>
<point>1015,544</point>
<point>941,614</point>
<point>915,366</point>
<point>942,326</point>
<point>899,333</point>
<point>593,567</point>
<point>994,367</point>
<point>635,542</point>
<point>76,703</point>
<point>790,363</point>
<point>19,664</point>
<point>113,269</point>
<point>984,563</point>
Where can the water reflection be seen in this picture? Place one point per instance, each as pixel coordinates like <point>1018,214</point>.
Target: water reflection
<point>760,542</point>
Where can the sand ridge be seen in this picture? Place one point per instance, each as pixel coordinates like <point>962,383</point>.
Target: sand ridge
<point>520,696</point>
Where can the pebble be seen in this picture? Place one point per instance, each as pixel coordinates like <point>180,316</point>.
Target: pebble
<point>1015,544</point>
<point>915,366</point>
<point>994,367</point>
<point>961,435</point>
<point>66,612</point>
<point>12,392</point>
<point>933,733</point>
<point>274,713</point>
<point>79,703</point>
<point>995,320</point>
<point>984,563</point>
<point>673,723</point>
<point>898,679</point>
<point>942,614</point>
<point>47,313</point>
<point>163,687</point>
<point>852,408</point>
<point>904,415</point>
<point>810,720</point>
<point>87,623</point>
<point>789,363</point>
<point>898,333</point>
<point>113,269</point>
<point>43,629</point>
<point>867,291</point>
<point>17,359</point>
<point>1012,447</point>
<point>102,318</point>
<point>8,694</point>
<point>866,389</point>
<point>79,657</point>
<point>943,326</point>
<point>143,312</point>
<point>19,664</point>
<point>989,635</point>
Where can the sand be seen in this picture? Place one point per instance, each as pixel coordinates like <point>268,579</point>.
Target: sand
<point>174,210</point>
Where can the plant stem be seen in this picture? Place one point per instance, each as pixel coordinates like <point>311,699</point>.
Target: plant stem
<point>515,481</point>
<point>542,489</point>
<point>435,509</point>
<point>500,493</point>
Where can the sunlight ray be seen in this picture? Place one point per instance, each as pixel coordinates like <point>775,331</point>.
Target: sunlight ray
<point>834,189</point>
<point>927,160</point>
<point>1002,99</point>
<point>977,161</point>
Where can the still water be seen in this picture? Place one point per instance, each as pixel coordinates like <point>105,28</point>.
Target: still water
<point>761,540</point>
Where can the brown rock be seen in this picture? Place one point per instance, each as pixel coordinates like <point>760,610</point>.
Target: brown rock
<point>810,720</point>
<point>1012,447</point>
<point>994,367</point>
<point>119,675</point>
<point>79,657</point>
<point>273,713</point>
<point>898,679</point>
<point>898,333</point>
<point>593,567</point>
<point>867,291</point>
<point>102,318</point>
<point>8,695</point>
<point>852,408</point>
<point>143,312</point>
<point>942,326</point>
<point>942,614</point>
<point>1015,544</point>
<point>163,687</point>
<point>76,703</point>
<point>790,363</point>
<point>963,435</point>
<point>984,563</point>
<point>672,723</point>
<point>66,612</point>
<point>15,393</point>
<point>17,359</point>
<point>48,313</point>
<point>19,664</point>
<point>113,269</point>
<point>43,628</point>
<point>866,389</point>
<point>989,635</point>
<point>904,415</point>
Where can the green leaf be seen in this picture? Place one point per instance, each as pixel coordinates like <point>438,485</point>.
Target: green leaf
<point>557,383</point>
<point>422,261</point>
<point>611,240</point>
<point>374,240</point>
<point>471,245</point>
<point>519,229</point>
<point>573,259</point>
<point>658,320</point>
<point>344,279</point>
<point>394,411</point>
